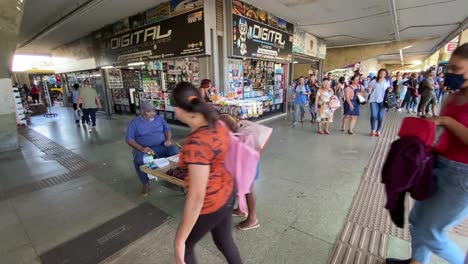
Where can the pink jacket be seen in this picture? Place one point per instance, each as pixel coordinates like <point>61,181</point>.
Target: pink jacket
<point>241,162</point>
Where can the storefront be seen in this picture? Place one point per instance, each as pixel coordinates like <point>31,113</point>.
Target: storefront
<point>260,51</point>
<point>96,81</point>
<point>150,53</point>
<point>308,54</point>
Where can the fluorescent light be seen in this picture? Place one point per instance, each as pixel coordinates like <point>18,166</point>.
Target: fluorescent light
<point>416,62</point>
<point>295,62</point>
<point>108,67</point>
<point>136,63</point>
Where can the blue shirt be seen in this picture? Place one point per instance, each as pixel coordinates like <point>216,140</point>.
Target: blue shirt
<point>378,91</point>
<point>75,95</point>
<point>147,133</point>
<point>301,98</point>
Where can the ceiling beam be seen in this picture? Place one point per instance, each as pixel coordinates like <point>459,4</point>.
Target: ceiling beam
<point>463,25</point>
<point>79,10</point>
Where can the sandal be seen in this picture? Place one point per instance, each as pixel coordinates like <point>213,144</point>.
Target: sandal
<point>239,215</point>
<point>241,226</point>
<point>327,132</point>
<point>320,132</point>
<point>350,132</point>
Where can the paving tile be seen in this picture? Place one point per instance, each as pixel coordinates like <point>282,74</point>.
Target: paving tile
<point>21,255</point>
<point>157,247</point>
<point>324,215</point>
<point>296,247</point>
<point>27,170</point>
<point>53,217</point>
<point>283,200</point>
<point>12,233</point>
<point>398,248</point>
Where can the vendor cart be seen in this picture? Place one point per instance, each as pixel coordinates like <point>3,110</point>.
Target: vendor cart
<point>161,174</point>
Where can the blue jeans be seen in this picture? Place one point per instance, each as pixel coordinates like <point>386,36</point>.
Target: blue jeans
<point>412,104</point>
<point>89,112</point>
<point>161,152</point>
<point>432,218</point>
<point>438,92</point>
<point>299,112</point>
<point>313,113</point>
<point>377,114</point>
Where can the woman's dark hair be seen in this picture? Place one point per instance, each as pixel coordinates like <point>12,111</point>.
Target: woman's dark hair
<point>354,77</point>
<point>76,86</point>
<point>205,83</point>
<point>341,80</point>
<point>187,97</point>
<point>378,74</point>
<point>461,51</point>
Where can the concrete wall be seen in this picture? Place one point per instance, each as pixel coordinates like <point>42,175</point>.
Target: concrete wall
<point>301,69</point>
<point>75,56</point>
<point>340,57</point>
<point>11,14</point>
<point>8,128</point>
<point>370,65</point>
<point>464,37</point>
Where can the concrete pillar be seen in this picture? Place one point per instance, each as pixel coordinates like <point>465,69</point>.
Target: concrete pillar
<point>11,14</point>
<point>340,57</point>
<point>370,65</point>
<point>464,37</point>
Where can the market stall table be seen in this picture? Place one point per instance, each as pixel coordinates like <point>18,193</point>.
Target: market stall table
<point>161,173</point>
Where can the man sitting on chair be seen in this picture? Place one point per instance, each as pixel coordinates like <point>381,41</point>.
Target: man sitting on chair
<point>149,133</point>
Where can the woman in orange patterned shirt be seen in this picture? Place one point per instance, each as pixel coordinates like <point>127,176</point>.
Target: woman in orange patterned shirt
<point>210,197</point>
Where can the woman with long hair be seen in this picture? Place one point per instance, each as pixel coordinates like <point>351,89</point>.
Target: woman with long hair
<point>351,105</point>
<point>432,218</point>
<point>207,90</point>
<point>377,89</point>
<point>339,90</point>
<point>210,186</point>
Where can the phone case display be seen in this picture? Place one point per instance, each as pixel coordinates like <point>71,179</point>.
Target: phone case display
<point>115,79</point>
<point>131,79</point>
<point>161,77</point>
<point>120,97</point>
<point>255,87</point>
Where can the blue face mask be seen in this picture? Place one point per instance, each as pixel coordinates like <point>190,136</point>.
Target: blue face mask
<point>454,81</point>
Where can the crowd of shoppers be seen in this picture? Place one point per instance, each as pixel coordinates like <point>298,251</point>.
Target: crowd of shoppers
<point>418,93</point>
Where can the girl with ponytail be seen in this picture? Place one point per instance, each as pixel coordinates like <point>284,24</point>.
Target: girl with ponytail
<point>210,186</point>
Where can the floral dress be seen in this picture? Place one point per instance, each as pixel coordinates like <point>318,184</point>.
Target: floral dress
<point>324,113</point>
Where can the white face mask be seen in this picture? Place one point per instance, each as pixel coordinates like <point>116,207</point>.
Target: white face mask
<point>151,119</point>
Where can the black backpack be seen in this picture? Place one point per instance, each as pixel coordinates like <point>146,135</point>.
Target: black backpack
<point>390,100</point>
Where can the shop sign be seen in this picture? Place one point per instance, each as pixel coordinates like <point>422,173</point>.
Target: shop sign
<point>450,47</point>
<point>177,36</point>
<point>321,49</point>
<point>158,13</point>
<point>258,34</point>
<point>305,43</point>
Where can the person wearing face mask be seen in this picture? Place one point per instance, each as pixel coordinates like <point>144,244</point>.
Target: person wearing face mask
<point>149,133</point>
<point>431,219</point>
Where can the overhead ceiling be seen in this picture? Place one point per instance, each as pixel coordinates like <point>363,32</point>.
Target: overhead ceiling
<point>339,22</point>
<point>73,19</point>
<point>345,23</point>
